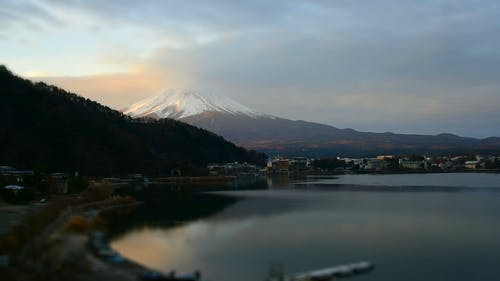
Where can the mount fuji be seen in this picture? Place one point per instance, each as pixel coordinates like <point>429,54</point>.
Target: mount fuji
<point>273,135</point>
<point>178,105</point>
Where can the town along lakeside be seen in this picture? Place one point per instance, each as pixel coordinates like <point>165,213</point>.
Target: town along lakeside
<point>28,185</point>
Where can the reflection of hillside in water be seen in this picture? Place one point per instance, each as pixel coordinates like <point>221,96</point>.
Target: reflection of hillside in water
<point>167,209</point>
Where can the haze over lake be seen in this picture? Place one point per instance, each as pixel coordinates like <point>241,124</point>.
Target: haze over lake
<point>448,230</point>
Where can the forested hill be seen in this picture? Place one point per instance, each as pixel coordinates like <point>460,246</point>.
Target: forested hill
<point>45,127</point>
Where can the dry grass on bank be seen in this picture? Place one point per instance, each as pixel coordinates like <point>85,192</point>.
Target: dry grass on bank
<point>32,225</point>
<point>80,224</point>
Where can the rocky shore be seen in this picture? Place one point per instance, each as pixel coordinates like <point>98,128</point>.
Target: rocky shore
<point>60,253</point>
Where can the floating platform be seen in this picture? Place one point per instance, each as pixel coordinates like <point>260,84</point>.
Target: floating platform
<point>334,272</point>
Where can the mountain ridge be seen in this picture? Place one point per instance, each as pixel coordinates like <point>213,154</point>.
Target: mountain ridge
<point>45,127</point>
<point>276,135</point>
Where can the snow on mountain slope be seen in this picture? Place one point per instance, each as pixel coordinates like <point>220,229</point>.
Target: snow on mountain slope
<point>179,105</point>
<point>273,135</point>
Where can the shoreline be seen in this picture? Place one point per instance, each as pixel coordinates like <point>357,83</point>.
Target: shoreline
<point>55,254</point>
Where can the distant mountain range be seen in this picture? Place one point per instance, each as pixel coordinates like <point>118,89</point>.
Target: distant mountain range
<point>274,135</point>
<point>46,128</point>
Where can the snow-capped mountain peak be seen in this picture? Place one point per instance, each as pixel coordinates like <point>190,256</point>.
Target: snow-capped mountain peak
<point>178,105</point>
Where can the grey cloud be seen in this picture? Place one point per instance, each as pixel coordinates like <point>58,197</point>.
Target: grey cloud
<point>181,16</point>
<point>426,64</point>
<point>289,72</point>
<point>25,14</point>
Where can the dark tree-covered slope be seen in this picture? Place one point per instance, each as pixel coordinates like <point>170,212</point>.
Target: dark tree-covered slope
<point>42,126</point>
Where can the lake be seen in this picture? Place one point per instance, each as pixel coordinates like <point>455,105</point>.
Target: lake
<point>413,227</point>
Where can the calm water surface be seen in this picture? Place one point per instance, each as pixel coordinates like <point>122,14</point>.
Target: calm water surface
<point>432,234</point>
<point>465,180</point>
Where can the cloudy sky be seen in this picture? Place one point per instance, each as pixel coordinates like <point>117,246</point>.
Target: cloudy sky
<point>425,66</point>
